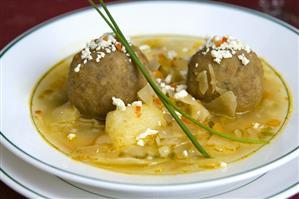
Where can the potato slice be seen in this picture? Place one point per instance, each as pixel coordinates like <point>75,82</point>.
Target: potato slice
<point>124,126</point>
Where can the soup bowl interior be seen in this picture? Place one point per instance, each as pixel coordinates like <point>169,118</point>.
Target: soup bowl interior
<point>27,58</point>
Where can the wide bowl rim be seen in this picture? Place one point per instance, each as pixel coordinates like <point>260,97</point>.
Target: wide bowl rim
<point>125,186</point>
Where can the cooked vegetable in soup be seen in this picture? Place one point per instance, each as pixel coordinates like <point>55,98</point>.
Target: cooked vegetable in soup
<point>96,107</point>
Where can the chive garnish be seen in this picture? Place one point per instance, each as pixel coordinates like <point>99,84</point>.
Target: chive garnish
<point>172,109</point>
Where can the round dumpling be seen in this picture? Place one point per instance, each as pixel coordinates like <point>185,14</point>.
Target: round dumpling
<point>101,71</point>
<point>225,64</point>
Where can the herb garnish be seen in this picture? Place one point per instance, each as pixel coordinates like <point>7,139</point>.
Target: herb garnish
<point>164,99</point>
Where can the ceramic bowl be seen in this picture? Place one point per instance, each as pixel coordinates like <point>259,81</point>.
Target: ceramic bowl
<point>30,55</point>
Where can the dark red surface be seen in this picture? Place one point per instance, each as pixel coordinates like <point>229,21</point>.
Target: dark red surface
<point>18,16</point>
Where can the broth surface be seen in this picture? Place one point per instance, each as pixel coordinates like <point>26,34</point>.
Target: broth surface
<point>85,139</point>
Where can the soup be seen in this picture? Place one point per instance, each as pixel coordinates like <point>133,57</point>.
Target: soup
<point>158,145</point>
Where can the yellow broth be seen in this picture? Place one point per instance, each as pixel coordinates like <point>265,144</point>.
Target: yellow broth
<point>85,139</point>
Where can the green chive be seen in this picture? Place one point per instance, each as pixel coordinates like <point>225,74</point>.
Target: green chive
<point>164,99</point>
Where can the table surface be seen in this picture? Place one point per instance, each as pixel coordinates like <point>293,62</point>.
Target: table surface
<point>20,15</point>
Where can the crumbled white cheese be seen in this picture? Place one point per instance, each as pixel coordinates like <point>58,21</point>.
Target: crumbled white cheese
<point>137,103</point>
<point>243,59</point>
<point>181,94</point>
<point>171,54</point>
<point>102,54</point>
<point>166,89</point>
<point>146,133</point>
<point>220,54</point>
<point>77,68</point>
<point>98,58</point>
<point>71,136</point>
<point>108,51</point>
<point>144,47</point>
<point>120,105</point>
<point>105,44</point>
<point>226,49</point>
<point>123,49</point>
<point>86,54</point>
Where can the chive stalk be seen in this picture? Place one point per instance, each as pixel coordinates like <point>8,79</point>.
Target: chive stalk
<point>164,99</point>
<point>147,76</point>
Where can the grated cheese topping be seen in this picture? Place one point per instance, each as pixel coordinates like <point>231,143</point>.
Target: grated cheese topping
<point>77,68</point>
<point>165,88</point>
<point>86,54</point>
<point>119,103</point>
<point>220,54</point>
<point>102,46</point>
<point>181,94</point>
<point>137,103</point>
<point>225,47</point>
<point>146,133</point>
<point>243,59</point>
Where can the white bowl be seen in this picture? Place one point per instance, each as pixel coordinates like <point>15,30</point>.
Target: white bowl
<point>30,55</point>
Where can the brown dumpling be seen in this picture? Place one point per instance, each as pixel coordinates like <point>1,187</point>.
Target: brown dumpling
<point>92,87</point>
<point>242,73</point>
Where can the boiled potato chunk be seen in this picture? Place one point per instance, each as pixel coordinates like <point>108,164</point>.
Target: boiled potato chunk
<point>124,126</point>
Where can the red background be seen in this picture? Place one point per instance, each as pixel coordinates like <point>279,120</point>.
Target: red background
<point>18,16</point>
